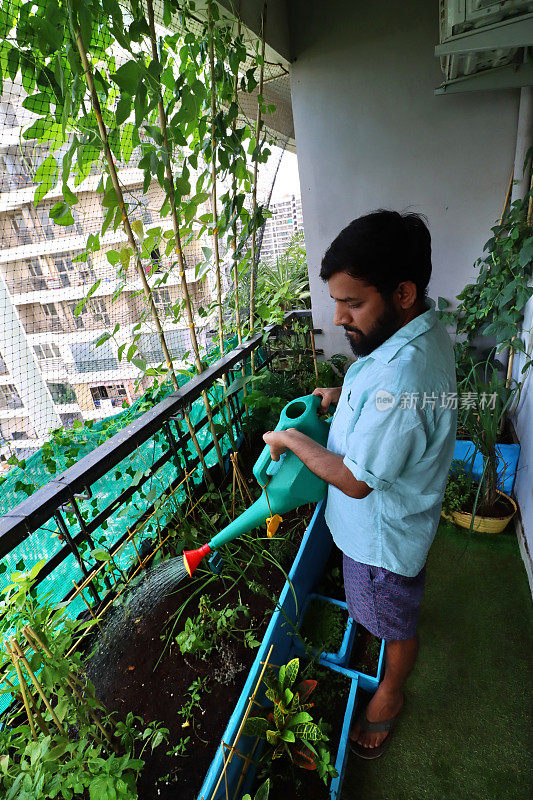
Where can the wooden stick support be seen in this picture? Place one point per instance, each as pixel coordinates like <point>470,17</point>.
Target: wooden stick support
<point>22,686</point>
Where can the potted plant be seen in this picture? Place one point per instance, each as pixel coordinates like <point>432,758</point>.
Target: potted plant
<point>484,507</point>
<point>493,306</point>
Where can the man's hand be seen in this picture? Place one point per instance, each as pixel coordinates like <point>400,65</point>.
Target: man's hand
<point>328,396</point>
<point>276,440</point>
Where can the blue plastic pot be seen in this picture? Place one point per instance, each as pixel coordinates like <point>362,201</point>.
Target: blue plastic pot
<point>507,462</point>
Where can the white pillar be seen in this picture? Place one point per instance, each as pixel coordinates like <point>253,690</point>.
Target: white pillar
<point>524,140</point>
<point>23,367</point>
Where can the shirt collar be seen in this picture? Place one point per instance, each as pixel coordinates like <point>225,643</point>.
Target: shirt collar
<point>420,324</point>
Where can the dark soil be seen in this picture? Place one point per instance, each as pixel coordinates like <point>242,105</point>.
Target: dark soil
<point>289,782</point>
<point>157,691</point>
<point>324,625</point>
<point>332,583</point>
<point>365,652</point>
<point>500,509</point>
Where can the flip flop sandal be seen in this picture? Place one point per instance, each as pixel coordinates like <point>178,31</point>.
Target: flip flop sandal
<point>374,727</point>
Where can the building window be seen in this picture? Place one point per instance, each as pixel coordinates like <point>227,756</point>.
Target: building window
<point>99,310</point>
<point>81,319</point>
<point>62,393</point>
<point>3,368</point>
<point>51,316</point>
<point>116,393</point>
<point>162,299</point>
<point>37,279</point>
<point>43,214</point>
<point>45,352</point>
<point>22,234</point>
<point>65,269</point>
<point>9,397</point>
<point>178,343</point>
<point>89,358</point>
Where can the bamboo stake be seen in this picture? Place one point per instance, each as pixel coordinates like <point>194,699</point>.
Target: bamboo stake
<point>22,685</point>
<point>234,239</point>
<point>32,638</point>
<point>251,702</point>
<point>511,351</point>
<point>39,717</point>
<point>135,548</point>
<point>315,363</point>
<point>254,191</point>
<point>216,249</point>
<point>91,612</point>
<point>118,191</point>
<point>179,248</point>
<point>14,644</point>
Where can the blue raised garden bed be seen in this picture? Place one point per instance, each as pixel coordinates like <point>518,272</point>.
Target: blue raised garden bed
<point>305,574</point>
<point>342,655</point>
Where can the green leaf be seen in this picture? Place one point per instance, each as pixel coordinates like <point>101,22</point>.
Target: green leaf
<point>46,175</point>
<point>263,791</point>
<point>287,736</point>
<point>123,109</point>
<point>12,63</point>
<point>255,726</point>
<point>37,103</point>
<point>101,555</point>
<point>308,731</point>
<point>291,673</point>
<point>127,77</point>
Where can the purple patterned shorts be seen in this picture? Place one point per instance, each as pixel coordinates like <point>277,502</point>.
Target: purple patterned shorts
<point>383,602</point>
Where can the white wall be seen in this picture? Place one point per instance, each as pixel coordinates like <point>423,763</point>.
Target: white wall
<point>370,133</point>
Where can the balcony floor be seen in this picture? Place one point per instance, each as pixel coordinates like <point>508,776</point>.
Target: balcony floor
<point>465,729</point>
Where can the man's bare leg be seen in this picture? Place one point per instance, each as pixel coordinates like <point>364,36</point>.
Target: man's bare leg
<point>388,699</point>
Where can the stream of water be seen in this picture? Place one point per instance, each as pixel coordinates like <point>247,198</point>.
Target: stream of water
<point>123,623</point>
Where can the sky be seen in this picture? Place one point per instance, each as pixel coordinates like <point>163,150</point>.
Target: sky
<point>287,180</point>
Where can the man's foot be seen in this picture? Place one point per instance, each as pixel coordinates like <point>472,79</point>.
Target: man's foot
<point>384,706</point>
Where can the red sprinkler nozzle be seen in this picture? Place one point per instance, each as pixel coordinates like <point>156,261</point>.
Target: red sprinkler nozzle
<point>191,558</point>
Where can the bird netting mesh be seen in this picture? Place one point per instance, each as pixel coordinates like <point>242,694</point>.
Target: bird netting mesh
<point>81,355</point>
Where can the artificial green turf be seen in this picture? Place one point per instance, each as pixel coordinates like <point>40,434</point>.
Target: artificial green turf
<point>465,732</point>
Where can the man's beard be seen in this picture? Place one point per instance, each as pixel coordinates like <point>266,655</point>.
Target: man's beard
<point>384,327</point>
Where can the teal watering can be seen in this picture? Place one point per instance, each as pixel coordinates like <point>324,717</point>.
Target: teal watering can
<point>286,483</point>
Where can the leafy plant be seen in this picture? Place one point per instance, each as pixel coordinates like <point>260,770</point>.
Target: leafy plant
<point>494,304</point>
<point>192,699</point>
<point>202,632</point>
<point>461,489</point>
<point>482,417</point>
<point>262,793</point>
<point>323,625</point>
<point>289,729</point>
<point>69,746</point>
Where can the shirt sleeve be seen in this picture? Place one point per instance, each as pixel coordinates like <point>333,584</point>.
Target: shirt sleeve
<point>384,442</point>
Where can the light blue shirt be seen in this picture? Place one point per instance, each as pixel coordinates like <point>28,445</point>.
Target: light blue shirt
<point>395,425</point>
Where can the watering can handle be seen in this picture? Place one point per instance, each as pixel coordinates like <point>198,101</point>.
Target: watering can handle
<point>263,462</point>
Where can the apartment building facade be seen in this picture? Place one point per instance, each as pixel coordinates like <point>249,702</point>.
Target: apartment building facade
<point>279,229</point>
<point>51,371</point>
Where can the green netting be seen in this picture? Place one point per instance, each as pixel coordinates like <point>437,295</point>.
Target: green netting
<point>44,542</point>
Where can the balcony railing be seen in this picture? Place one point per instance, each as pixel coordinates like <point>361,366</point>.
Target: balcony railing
<point>156,449</point>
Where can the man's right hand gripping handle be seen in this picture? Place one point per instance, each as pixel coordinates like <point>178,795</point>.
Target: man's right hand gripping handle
<point>328,397</point>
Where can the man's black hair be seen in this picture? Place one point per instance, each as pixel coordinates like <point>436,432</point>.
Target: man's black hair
<point>382,249</point>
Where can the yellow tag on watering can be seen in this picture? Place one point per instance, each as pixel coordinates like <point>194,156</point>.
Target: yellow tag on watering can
<point>273,525</point>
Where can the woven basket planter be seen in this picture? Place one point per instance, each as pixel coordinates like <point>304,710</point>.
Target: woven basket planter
<point>482,524</point>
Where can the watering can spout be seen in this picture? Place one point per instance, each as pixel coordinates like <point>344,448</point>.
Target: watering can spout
<point>286,483</point>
